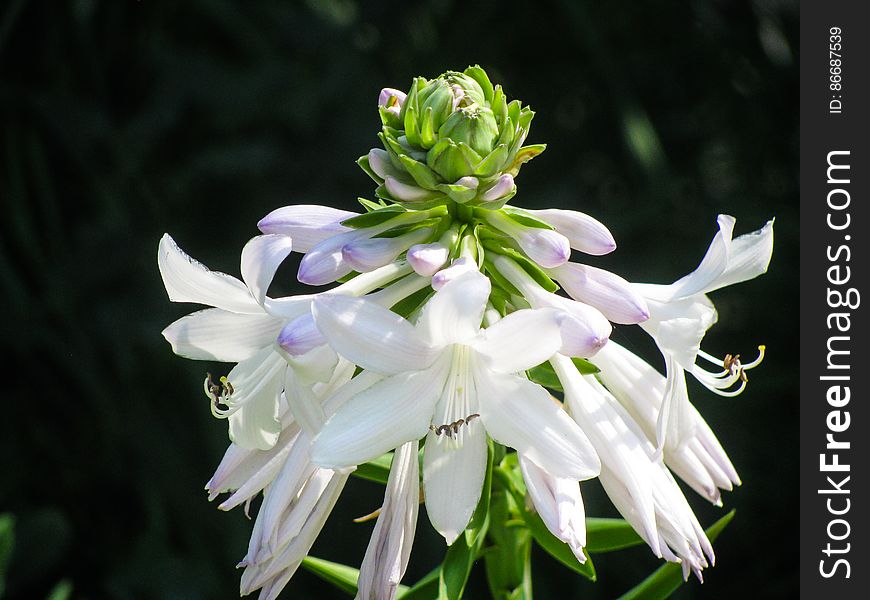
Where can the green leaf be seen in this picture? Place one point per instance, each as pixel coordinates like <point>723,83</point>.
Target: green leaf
<point>544,374</point>
<point>7,541</point>
<point>482,79</point>
<point>371,206</point>
<point>341,576</point>
<point>377,470</point>
<point>585,367</point>
<point>425,589</point>
<point>607,535</point>
<point>423,175</point>
<point>375,217</point>
<point>666,579</point>
<point>525,154</point>
<point>523,218</point>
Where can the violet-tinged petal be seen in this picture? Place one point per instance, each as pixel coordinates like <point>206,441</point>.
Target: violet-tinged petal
<point>459,267</point>
<point>306,224</point>
<point>426,259</point>
<point>300,336</point>
<point>365,255</point>
<point>405,192</point>
<point>609,293</point>
<point>325,263</point>
<point>503,186</point>
<point>585,233</point>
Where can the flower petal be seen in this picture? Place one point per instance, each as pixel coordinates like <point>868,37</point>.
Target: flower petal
<point>454,313</point>
<point>216,334</point>
<point>521,340</point>
<point>370,335</point>
<point>188,280</point>
<point>585,233</point>
<point>521,414</point>
<point>750,256</point>
<point>254,403</point>
<point>307,224</point>
<point>712,265</point>
<point>675,424</point>
<point>384,416</point>
<point>324,263</point>
<point>453,473</point>
<point>389,549</point>
<point>559,504</point>
<point>426,259</point>
<point>609,293</point>
<point>261,257</point>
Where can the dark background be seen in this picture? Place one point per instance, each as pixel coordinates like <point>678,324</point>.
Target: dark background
<point>122,120</point>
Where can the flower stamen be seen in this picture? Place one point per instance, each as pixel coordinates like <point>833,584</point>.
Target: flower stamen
<point>452,429</point>
<point>734,370</point>
<point>219,394</point>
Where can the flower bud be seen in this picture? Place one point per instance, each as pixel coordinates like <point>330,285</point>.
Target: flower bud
<point>609,293</point>
<point>426,259</point>
<point>306,224</point>
<point>503,187</point>
<point>456,126</point>
<point>585,233</point>
<point>366,255</point>
<point>459,267</point>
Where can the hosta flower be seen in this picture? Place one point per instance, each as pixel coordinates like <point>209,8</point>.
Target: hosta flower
<point>681,313</point>
<point>640,487</point>
<point>453,138</point>
<point>390,547</point>
<point>450,326</point>
<point>454,383</point>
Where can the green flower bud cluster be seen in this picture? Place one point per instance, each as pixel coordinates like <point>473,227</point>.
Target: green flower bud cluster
<point>455,138</point>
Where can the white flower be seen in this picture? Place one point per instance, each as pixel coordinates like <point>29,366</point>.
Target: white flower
<point>298,495</point>
<point>448,378</point>
<point>390,546</point>
<point>681,313</point>
<point>640,487</point>
<point>701,461</point>
<point>557,500</point>
<point>244,327</point>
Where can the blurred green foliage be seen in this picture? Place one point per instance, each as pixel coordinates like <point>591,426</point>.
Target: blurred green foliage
<point>120,120</point>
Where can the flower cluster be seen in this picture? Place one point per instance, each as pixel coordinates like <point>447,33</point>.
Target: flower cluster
<point>445,326</point>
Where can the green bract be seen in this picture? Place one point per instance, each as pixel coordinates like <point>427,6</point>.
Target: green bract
<point>454,138</point>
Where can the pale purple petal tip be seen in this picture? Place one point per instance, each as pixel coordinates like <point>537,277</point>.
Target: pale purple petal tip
<point>300,336</point>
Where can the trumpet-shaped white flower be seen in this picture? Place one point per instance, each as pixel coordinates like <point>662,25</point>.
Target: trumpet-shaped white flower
<point>390,546</point>
<point>298,495</point>
<point>641,488</point>
<point>455,383</point>
<point>558,502</point>
<point>681,313</point>
<point>701,461</point>
<point>244,327</point>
